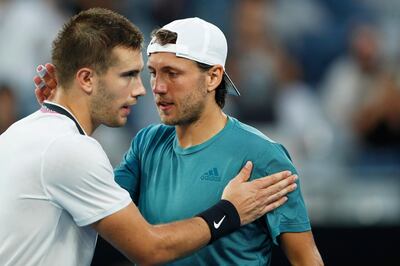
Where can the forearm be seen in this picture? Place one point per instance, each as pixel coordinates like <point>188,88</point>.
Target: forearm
<point>178,239</point>
<point>148,244</point>
<point>300,249</point>
<point>312,258</point>
<point>181,238</point>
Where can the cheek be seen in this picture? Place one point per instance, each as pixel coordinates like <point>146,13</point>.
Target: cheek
<point>112,101</point>
<point>152,81</point>
<point>123,90</point>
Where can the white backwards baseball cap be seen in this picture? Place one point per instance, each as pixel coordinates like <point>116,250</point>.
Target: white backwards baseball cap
<point>200,41</point>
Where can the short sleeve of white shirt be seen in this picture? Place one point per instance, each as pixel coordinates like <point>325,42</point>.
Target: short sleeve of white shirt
<point>78,177</point>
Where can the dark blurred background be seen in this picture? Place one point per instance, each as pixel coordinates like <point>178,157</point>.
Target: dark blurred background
<point>320,76</point>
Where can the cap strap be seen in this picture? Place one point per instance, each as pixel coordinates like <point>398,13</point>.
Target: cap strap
<point>156,47</point>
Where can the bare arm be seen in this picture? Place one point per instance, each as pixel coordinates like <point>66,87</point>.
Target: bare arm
<point>300,249</point>
<point>145,244</point>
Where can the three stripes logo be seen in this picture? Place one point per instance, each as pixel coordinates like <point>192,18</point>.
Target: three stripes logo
<point>211,175</point>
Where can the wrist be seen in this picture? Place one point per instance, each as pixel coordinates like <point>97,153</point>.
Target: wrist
<point>222,219</point>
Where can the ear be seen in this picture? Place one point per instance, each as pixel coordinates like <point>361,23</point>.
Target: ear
<point>85,79</point>
<point>214,77</point>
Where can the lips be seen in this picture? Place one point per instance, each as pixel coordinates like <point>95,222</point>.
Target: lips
<point>126,109</point>
<point>164,105</point>
<point>129,104</point>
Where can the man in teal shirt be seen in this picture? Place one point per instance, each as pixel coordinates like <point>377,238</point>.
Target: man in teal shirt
<point>175,170</point>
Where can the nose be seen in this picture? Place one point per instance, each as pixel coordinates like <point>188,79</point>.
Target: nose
<point>138,89</point>
<point>158,85</point>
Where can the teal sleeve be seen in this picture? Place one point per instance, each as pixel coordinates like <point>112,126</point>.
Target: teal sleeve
<point>292,216</point>
<point>127,173</point>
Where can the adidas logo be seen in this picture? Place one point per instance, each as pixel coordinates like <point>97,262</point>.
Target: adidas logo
<point>211,175</point>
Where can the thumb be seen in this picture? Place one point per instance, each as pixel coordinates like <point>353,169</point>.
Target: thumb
<point>245,172</point>
<point>39,95</point>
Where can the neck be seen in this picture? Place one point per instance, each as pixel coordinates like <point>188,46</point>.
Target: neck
<point>77,105</point>
<point>208,125</point>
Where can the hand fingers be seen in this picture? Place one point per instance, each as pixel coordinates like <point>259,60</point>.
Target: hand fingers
<point>39,96</point>
<point>277,193</point>
<point>245,172</point>
<point>42,92</point>
<point>273,205</point>
<point>46,76</point>
<point>282,184</point>
<point>50,69</point>
<point>267,181</point>
<point>39,83</point>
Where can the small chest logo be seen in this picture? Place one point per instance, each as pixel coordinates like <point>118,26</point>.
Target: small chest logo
<point>211,175</point>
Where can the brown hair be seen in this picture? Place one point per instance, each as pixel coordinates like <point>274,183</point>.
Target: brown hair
<point>87,40</point>
<point>163,37</point>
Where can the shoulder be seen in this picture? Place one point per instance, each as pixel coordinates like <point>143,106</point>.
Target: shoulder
<point>156,130</point>
<point>73,154</point>
<point>252,137</point>
<point>75,146</point>
<point>153,134</point>
<point>262,150</point>
<point>72,161</point>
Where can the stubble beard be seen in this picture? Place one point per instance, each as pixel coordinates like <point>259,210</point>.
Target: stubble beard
<point>190,109</point>
<point>101,108</point>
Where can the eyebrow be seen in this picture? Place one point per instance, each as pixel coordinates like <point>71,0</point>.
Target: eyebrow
<point>166,68</point>
<point>130,72</point>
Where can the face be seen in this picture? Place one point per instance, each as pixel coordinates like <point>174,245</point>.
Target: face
<point>118,88</point>
<point>179,88</point>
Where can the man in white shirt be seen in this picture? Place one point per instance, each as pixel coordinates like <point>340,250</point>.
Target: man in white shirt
<point>57,187</point>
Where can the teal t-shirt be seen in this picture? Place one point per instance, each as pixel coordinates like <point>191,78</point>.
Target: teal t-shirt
<point>169,183</point>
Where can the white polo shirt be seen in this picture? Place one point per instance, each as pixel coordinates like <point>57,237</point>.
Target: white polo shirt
<point>54,183</point>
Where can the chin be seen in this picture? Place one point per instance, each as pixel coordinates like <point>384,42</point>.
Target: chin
<point>119,123</point>
<point>168,122</point>
<point>122,123</point>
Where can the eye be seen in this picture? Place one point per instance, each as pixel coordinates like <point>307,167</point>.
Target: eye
<point>172,74</point>
<point>131,74</point>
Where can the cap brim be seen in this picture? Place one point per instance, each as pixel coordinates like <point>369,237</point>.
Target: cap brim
<point>230,86</point>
